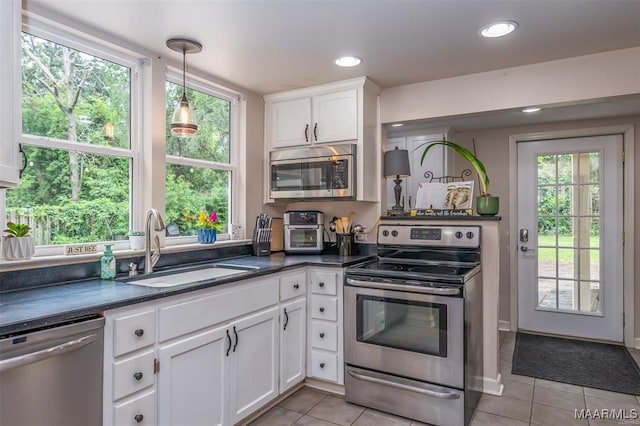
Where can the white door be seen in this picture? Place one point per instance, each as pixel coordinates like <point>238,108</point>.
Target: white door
<point>293,343</point>
<point>335,117</point>
<point>191,382</point>
<point>570,237</point>
<point>253,371</point>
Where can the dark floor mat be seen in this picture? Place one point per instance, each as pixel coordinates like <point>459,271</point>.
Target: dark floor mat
<point>594,365</point>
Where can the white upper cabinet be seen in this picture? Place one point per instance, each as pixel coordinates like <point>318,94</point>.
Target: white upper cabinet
<point>344,112</point>
<point>10,101</point>
<point>331,117</point>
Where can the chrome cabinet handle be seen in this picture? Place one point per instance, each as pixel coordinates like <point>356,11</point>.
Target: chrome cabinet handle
<point>32,357</point>
<point>137,375</point>
<point>428,392</point>
<point>139,332</point>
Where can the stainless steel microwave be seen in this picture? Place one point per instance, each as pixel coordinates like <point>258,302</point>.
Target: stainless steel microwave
<point>313,172</point>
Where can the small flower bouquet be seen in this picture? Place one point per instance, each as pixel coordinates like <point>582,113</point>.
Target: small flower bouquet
<point>208,227</point>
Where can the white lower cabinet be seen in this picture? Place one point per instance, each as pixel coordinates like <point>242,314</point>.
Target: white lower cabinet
<point>192,384</point>
<point>293,343</point>
<point>253,368</point>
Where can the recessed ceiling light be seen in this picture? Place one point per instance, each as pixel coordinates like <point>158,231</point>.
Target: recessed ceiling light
<point>397,124</point>
<point>348,61</point>
<point>534,109</point>
<point>498,29</point>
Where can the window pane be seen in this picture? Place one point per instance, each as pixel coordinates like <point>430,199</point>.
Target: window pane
<point>74,96</point>
<point>191,190</point>
<point>71,197</point>
<point>212,116</point>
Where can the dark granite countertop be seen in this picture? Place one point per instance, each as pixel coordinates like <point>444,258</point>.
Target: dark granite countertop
<point>23,310</point>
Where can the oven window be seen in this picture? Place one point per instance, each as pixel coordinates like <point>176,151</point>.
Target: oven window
<point>303,238</point>
<point>402,324</point>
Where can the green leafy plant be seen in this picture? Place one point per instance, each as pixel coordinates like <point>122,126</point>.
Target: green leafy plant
<point>17,230</point>
<point>467,155</point>
<point>134,233</point>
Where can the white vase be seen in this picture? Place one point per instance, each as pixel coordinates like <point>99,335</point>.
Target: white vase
<point>137,242</point>
<point>17,248</point>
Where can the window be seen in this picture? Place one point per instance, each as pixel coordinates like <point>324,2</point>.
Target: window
<point>77,126</point>
<point>200,171</point>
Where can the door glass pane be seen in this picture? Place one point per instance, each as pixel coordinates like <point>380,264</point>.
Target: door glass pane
<point>547,296</point>
<point>402,324</point>
<point>569,231</point>
<point>303,238</point>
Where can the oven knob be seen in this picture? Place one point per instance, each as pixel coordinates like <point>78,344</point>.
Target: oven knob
<point>394,233</point>
<point>385,233</point>
<point>458,235</point>
<point>469,235</point>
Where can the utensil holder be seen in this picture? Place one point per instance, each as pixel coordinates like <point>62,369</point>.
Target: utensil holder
<point>345,243</point>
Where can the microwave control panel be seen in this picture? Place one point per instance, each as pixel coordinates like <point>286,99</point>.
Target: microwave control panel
<point>340,174</point>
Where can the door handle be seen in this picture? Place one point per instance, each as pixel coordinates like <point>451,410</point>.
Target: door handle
<point>402,386</point>
<point>235,333</point>
<point>306,133</point>
<point>526,249</point>
<point>286,319</point>
<point>229,341</point>
<point>32,357</point>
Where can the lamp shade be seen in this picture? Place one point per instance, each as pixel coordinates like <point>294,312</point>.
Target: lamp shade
<point>396,163</point>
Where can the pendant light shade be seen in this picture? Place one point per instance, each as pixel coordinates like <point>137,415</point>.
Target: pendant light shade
<point>183,122</point>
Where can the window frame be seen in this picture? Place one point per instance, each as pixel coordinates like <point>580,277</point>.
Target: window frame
<point>68,37</point>
<point>194,82</point>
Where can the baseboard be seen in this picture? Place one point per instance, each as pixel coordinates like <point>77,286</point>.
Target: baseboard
<point>271,404</point>
<point>504,325</point>
<point>493,386</point>
<point>637,343</point>
<point>324,386</point>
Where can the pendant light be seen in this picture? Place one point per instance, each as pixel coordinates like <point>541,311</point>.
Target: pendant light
<point>183,122</point>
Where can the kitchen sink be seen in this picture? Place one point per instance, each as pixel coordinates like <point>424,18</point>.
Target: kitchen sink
<point>172,279</point>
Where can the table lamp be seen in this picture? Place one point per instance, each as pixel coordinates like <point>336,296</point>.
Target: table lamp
<point>396,164</point>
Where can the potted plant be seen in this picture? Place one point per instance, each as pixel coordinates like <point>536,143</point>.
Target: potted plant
<point>208,227</point>
<point>486,205</point>
<point>17,244</point>
<point>136,239</point>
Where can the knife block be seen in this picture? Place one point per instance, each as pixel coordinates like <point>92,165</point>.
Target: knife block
<point>262,242</point>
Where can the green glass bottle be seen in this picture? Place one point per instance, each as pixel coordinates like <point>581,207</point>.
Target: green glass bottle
<point>108,264</point>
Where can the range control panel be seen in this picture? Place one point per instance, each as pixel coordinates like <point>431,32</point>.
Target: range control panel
<point>429,236</point>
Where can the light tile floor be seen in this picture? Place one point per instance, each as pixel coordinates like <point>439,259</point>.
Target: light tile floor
<point>525,401</point>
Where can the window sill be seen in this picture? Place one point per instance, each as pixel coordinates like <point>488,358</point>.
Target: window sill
<point>58,260</point>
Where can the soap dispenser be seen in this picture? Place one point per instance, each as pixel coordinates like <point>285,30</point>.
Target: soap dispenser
<point>107,264</point>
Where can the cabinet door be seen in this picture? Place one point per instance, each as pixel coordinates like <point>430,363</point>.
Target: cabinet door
<point>253,370</point>
<point>10,101</point>
<point>290,123</point>
<point>192,383</point>
<point>335,117</point>
<point>293,342</point>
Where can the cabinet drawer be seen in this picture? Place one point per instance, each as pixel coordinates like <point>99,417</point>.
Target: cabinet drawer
<point>323,307</point>
<point>139,411</point>
<point>324,282</point>
<point>293,285</point>
<point>324,335</point>
<point>133,332</point>
<point>222,305</point>
<point>324,365</point>
<point>132,375</point>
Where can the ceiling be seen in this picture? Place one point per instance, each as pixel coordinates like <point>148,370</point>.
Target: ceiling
<point>268,46</point>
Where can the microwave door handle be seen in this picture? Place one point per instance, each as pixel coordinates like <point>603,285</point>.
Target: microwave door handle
<point>402,386</point>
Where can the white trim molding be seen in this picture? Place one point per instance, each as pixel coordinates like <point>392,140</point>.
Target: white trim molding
<point>493,387</point>
<point>504,325</point>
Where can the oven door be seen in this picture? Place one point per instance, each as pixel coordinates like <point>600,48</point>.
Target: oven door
<point>419,336</point>
<point>303,239</point>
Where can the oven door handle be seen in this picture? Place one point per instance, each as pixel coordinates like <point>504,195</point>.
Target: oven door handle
<point>440,291</point>
<point>428,392</point>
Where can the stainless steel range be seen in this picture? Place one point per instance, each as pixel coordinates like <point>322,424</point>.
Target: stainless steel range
<point>413,324</point>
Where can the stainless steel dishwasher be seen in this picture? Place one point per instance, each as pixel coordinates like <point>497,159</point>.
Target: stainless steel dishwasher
<point>53,376</point>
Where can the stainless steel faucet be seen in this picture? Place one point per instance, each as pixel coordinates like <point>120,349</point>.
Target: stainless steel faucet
<point>150,259</point>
